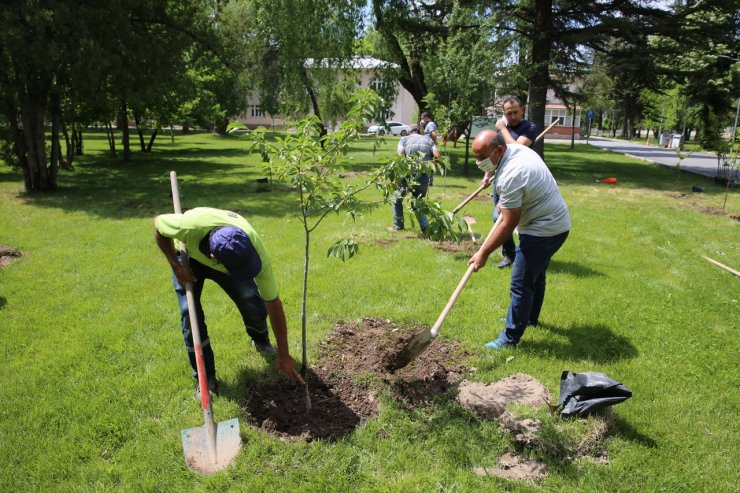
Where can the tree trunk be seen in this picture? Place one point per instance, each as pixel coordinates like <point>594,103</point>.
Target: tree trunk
<point>33,109</point>
<point>412,75</point>
<point>69,147</point>
<point>78,143</point>
<point>111,138</point>
<point>540,78</point>
<point>467,147</point>
<point>572,127</point>
<point>151,140</point>
<point>19,145</point>
<point>314,105</point>
<point>140,132</point>
<point>123,125</point>
<point>55,103</point>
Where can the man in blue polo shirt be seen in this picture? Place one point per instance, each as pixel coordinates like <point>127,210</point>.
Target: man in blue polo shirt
<point>515,130</point>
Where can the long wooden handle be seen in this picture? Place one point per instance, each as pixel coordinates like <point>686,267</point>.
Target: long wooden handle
<point>459,288</point>
<point>471,197</point>
<point>723,266</point>
<point>557,120</point>
<point>205,395</point>
<point>453,299</point>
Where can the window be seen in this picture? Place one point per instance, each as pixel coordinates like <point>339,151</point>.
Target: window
<point>566,119</point>
<point>255,111</point>
<point>377,85</point>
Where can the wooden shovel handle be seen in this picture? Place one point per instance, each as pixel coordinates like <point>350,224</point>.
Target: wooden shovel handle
<point>459,288</point>
<point>471,197</point>
<point>722,266</point>
<point>205,395</point>
<point>557,120</point>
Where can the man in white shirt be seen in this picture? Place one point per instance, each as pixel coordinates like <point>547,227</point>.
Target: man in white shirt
<point>529,199</point>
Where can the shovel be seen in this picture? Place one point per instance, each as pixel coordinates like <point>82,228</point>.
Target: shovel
<point>213,446</point>
<point>421,341</point>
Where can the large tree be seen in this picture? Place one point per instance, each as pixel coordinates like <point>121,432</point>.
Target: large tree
<point>56,54</point>
<point>294,53</point>
<point>705,61</point>
<point>412,32</point>
<point>566,29</point>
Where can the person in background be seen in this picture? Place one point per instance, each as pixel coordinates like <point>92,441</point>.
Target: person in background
<point>429,128</point>
<point>414,146</point>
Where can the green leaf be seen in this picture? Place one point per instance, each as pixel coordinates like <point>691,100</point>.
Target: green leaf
<point>343,249</point>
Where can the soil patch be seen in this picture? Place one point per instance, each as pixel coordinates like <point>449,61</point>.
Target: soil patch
<point>343,385</point>
<point>511,467</point>
<point>521,388</point>
<point>384,241</point>
<point>489,401</point>
<point>465,247</point>
<point>8,255</point>
<point>696,206</point>
<point>352,174</point>
<point>484,196</point>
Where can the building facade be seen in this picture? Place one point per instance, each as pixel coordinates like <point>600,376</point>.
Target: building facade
<point>402,109</point>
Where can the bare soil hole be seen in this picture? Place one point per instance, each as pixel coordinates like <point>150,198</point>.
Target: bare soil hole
<point>343,385</point>
<point>8,255</point>
<point>464,248</point>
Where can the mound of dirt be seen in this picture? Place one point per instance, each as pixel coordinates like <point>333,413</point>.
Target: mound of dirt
<point>352,367</point>
<point>488,401</point>
<point>520,388</point>
<point>8,255</point>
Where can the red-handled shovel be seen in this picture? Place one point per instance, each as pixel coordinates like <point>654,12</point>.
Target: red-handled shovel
<point>213,446</point>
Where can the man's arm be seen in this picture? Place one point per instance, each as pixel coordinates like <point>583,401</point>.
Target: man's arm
<point>167,245</point>
<point>525,141</point>
<point>279,326</point>
<point>509,221</point>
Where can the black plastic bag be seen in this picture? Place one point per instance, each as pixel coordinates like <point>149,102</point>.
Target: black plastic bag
<point>584,393</point>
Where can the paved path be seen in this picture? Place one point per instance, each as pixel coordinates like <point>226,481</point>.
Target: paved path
<point>700,163</point>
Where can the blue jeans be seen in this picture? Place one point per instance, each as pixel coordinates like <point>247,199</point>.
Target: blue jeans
<point>243,292</point>
<point>528,281</point>
<point>419,190</point>
<point>509,246</point>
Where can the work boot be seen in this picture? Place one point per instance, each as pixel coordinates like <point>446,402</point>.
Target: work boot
<point>505,262</point>
<point>265,348</point>
<point>212,386</point>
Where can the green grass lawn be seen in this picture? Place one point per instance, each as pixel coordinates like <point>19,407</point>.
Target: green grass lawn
<point>97,387</point>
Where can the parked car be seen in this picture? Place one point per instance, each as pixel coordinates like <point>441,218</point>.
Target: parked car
<point>396,128</point>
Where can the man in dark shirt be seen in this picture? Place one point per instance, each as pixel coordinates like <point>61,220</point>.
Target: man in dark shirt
<point>515,130</point>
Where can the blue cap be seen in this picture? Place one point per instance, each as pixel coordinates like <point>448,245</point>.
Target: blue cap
<point>232,247</point>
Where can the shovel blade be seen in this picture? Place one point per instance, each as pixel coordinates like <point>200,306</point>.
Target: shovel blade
<point>207,456</point>
<point>417,345</point>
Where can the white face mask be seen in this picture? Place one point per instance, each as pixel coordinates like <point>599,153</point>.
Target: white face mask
<point>486,165</point>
